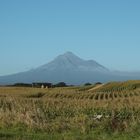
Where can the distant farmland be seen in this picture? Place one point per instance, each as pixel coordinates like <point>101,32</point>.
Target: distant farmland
<point>108,112</point>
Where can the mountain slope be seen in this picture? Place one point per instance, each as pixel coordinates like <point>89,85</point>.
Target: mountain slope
<point>69,61</point>
<point>68,68</point>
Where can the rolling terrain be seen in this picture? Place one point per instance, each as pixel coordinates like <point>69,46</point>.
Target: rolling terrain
<point>109,112</point>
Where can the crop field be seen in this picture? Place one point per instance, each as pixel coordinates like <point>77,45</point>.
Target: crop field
<point>109,112</point>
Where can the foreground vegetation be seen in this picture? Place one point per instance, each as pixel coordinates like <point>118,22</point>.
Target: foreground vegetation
<point>110,112</point>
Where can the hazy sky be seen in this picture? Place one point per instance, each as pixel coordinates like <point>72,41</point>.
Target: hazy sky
<point>33,32</point>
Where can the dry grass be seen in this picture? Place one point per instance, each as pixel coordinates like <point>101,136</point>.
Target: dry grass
<point>68,109</point>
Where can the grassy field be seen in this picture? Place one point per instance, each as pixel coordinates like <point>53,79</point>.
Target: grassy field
<point>110,112</point>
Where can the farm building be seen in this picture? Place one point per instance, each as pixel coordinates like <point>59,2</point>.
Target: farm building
<point>42,85</point>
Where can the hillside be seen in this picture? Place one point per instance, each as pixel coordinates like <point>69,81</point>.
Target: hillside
<point>118,86</point>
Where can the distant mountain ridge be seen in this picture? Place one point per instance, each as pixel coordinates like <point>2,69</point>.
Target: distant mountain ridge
<point>71,69</point>
<point>70,61</point>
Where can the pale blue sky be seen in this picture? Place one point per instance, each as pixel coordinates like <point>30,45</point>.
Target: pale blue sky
<point>33,32</point>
